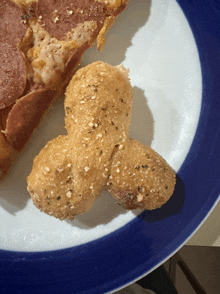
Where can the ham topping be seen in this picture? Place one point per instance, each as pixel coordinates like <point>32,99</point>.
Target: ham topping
<point>12,28</point>
<point>58,19</point>
<point>12,75</point>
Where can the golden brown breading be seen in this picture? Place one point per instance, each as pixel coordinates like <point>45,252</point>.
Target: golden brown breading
<point>140,178</point>
<point>52,182</point>
<point>98,152</point>
<point>98,111</point>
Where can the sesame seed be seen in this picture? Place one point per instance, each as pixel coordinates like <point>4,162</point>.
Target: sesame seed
<point>118,170</point>
<point>91,124</point>
<point>47,169</point>
<point>121,147</point>
<point>99,136</point>
<point>86,168</point>
<point>69,194</point>
<point>69,165</point>
<point>56,19</point>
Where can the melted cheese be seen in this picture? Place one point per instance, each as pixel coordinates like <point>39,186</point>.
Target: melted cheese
<point>49,56</point>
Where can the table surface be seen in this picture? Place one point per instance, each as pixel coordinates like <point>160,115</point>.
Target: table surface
<point>209,232</point>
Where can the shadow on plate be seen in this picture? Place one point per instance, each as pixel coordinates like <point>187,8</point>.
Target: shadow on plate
<point>106,209</point>
<point>142,123</point>
<point>103,212</point>
<point>119,37</point>
<point>172,207</point>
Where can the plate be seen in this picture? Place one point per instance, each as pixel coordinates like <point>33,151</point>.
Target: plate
<point>172,51</point>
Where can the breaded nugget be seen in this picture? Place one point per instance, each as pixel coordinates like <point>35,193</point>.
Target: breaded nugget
<point>140,178</point>
<point>52,182</point>
<point>71,171</point>
<point>98,111</point>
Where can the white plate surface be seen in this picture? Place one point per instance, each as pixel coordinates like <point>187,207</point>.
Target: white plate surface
<point>153,40</point>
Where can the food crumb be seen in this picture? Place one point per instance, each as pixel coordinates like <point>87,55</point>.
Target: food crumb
<point>69,194</point>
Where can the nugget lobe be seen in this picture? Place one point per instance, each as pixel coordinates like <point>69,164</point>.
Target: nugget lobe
<point>140,178</point>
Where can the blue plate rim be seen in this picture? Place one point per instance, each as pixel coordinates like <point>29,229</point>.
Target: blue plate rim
<point>74,268</point>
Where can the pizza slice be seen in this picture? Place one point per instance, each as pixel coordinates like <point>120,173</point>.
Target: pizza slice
<point>41,45</point>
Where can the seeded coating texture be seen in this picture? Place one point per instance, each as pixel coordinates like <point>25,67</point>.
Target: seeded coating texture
<point>140,178</point>
<point>98,153</point>
<point>98,110</point>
